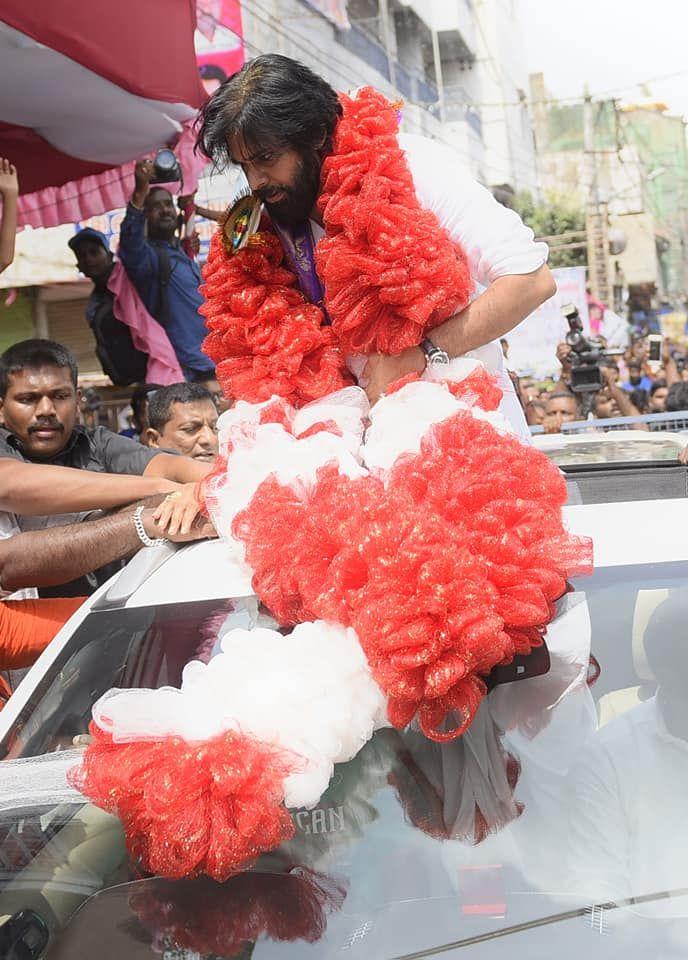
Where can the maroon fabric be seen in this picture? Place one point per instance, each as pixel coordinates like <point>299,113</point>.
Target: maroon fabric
<point>147,48</point>
<point>40,163</point>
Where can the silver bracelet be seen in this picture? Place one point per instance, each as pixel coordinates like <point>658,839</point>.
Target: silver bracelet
<point>140,529</point>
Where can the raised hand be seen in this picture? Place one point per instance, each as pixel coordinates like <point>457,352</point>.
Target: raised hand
<point>9,182</point>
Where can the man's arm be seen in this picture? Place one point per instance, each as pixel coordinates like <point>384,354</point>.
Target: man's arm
<point>623,401</point>
<point>123,455</point>
<point>500,308</point>
<point>138,258</point>
<point>177,469</point>
<point>9,188</point>
<point>46,558</point>
<point>670,369</point>
<point>34,489</point>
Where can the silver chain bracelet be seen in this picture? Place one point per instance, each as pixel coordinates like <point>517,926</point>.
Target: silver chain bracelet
<point>140,529</point>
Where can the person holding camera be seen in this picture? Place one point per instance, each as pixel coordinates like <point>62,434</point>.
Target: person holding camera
<point>166,278</point>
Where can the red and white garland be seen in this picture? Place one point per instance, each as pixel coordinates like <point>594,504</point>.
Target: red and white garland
<point>411,548</point>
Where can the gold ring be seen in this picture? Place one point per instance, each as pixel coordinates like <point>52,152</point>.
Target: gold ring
<point>175,495</point>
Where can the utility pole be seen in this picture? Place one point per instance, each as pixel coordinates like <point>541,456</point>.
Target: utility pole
<point>439,80</point>
<point>596,216</point>
<point>387,34</point>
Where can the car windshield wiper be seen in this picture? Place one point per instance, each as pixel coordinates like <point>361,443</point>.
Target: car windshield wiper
<point>543,922</point>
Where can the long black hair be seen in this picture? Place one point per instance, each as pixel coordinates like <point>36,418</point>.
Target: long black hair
<point>273,102</point>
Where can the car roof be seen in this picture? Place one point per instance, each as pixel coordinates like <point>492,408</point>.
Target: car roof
<point>623,534</point>
<point>207,570</point>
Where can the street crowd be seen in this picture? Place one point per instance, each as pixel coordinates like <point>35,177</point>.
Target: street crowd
<point>632,386</point>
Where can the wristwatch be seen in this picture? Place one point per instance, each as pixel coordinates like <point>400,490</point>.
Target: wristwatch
<point>433,353</point>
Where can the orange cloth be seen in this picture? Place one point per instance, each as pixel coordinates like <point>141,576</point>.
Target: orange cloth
<point>26,629</point>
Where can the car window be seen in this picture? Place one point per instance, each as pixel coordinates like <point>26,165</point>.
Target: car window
<point>567,451</point>
<point>554,826</point>
<point>140,647</point>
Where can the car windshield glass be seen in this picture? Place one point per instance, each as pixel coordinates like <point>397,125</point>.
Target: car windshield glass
<point>567,793</point>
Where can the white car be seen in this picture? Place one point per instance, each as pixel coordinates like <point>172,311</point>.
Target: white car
<point>555,826</point>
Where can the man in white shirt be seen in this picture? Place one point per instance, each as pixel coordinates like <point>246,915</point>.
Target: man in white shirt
<point>275,119</point>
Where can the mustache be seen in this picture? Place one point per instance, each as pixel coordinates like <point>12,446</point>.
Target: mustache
<point>266,193</point>
<point>46,425</point>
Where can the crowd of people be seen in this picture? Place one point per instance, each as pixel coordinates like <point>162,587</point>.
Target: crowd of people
<point>632,385</point>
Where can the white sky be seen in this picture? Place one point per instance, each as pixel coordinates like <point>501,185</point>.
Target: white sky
<point>610,44</point>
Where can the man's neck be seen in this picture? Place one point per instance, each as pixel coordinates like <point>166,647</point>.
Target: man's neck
<point>316,216</point>
<point>100,283</point>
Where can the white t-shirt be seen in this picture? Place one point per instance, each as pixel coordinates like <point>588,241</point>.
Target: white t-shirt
<point>494,238</point>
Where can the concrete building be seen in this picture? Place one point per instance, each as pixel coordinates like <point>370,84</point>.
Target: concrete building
<point>458,65</point>
<point>641,162</point>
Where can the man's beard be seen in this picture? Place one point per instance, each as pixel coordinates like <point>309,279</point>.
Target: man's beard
<point>300,198</point>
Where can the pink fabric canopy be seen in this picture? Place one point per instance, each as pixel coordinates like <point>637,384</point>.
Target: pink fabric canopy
<point>84,95</point>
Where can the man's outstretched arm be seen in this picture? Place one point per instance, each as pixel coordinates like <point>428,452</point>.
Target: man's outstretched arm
<point>38,489</point>
<point>500,308</point>
<point>46,558</point>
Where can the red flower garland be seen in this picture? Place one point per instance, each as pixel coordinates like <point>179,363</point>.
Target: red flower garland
<point>446,569</point>
<point>263,335</point>
<point>221,808</point>
<point>389,270</point>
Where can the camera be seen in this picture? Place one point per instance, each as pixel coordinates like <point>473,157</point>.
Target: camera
<point>588,356</point>
<point>585,354</point>
<point>166,168</point>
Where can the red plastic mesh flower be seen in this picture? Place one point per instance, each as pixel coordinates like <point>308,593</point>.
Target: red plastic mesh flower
<point>448,568</point>
<point>188,809</point>
<point>390,271</point>
<point>263,336</point>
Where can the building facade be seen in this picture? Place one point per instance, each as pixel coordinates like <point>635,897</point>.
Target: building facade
<point>638,159</point>
<point>457,64</point>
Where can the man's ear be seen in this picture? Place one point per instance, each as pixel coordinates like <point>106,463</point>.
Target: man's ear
<point>150,438</point>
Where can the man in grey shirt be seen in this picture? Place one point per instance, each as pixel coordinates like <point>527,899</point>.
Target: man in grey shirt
<point>39,400</point>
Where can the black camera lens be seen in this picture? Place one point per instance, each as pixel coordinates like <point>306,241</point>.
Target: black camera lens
<point>166,167</point>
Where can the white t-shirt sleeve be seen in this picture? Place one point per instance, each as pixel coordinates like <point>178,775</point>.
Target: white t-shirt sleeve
<point>495,239</point>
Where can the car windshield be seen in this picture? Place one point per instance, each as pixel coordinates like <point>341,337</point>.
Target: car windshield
<point>554,827</point>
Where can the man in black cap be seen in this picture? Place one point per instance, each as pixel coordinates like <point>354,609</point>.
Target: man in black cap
<point>118,356</point>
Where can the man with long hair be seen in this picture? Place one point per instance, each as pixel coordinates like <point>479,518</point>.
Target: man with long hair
<point>277,120</point>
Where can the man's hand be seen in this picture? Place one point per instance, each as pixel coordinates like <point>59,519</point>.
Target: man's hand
<point>381,370</point>
<point>143,174</point>
<point>564,352</point>
<point>199,529</point>
<point>683,456</point>
<point>179,511</point>
<point>9,182</point>
<point>609,377</point>
<point>187,200</point>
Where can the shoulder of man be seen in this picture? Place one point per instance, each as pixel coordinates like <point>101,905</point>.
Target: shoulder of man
<point>7,446</point>
<point>114,453</point>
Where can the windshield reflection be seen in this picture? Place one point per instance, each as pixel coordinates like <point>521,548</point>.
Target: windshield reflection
<point>513,830</point>
<point>629,833</point>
